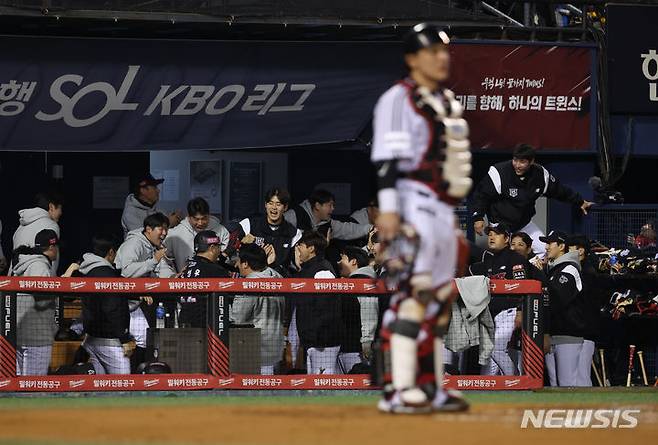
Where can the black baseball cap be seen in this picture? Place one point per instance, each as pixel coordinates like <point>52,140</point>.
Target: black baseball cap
<point>424,35</point>
<point>554,236</point>
<point>499,228</point>
<point>45,239</point>
<point>577,240</point>
<point>148,179</point>
<point>204,239</point>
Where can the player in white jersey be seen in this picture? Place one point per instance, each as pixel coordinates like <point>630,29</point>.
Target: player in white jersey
<point>422,154</point>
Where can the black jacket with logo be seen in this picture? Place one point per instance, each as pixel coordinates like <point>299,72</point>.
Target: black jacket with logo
<point>510,199</point>
<point>282,237</point>
<point>502,265</point>
<point>193,308</point>
<point>565,288</point>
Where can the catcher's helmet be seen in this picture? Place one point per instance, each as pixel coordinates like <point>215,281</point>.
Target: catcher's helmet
<point>422,36</point>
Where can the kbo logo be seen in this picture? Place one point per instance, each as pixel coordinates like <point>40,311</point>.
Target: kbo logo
<point>651,73</point>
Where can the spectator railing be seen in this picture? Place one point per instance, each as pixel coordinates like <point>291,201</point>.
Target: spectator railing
<point>218,370</point>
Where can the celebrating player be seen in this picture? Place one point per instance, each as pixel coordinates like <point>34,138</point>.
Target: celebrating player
<point>422,154</point>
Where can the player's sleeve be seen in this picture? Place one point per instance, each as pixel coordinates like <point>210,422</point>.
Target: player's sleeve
<point>536,274</point>
<point>235,231</point>
<point>166,268</point>
<point>478,268</point>
<point>487,191</point>
<point>553,189</point>
<point>391,142</point>
<point>348,230</point>
<point>565,287</point>
<point>127,260</point>
<point>245,226</point>
<point>296,238</point>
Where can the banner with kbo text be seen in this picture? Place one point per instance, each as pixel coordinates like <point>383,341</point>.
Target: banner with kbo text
<point>116,94</point>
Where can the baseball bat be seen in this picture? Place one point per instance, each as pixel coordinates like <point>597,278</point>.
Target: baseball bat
<point>631,355</point>
<point>596,374</point>
<point>640,356</point>
<point>603,373</point>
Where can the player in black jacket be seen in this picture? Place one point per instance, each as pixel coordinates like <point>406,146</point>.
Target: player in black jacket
<point>207,250</point>
<point>499,262</point>
<point>318,318</point>
<point>509,191</point>
<point>106,318</point>
<point>595,295</point>
<point>271,231</point>
<point>568,326</point>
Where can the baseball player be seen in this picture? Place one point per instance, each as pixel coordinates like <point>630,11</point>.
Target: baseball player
<point>500,262</point>
<point>565,288</point>
<point>106,318</point>
<point>271,231</point>
<point>180,239</point>
<point>138,257</point>
<point>207,250</point>
<point>422,156</point>
<point>594,294</point>
<point>509,191</point>
<point>35,314</point>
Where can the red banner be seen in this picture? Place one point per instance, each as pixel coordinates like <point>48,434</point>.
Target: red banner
<point>237,285</point>
<point>535,94</point>
<point>187,382</point>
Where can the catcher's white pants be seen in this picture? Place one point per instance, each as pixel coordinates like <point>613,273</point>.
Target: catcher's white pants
<point>434,222</point>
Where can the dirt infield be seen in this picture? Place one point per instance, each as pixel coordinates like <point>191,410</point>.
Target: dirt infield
<point>293,424</point>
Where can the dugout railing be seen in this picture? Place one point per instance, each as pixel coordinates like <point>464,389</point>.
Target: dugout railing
<point>218,371</point>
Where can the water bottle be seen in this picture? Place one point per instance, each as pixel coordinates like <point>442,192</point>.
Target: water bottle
<point>160,314</point>
<point>613,263</point>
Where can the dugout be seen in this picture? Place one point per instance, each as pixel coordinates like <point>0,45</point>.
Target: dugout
<point>276,119</point>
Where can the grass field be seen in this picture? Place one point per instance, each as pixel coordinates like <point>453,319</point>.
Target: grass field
<point>256,418</point>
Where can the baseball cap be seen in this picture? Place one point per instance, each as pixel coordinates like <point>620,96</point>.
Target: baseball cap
<point>204,239</point>
<point>45,239</point>
<point>554,236</point>
<point>577,240</point>
<point>498,228</point>
<point>148,179</point>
